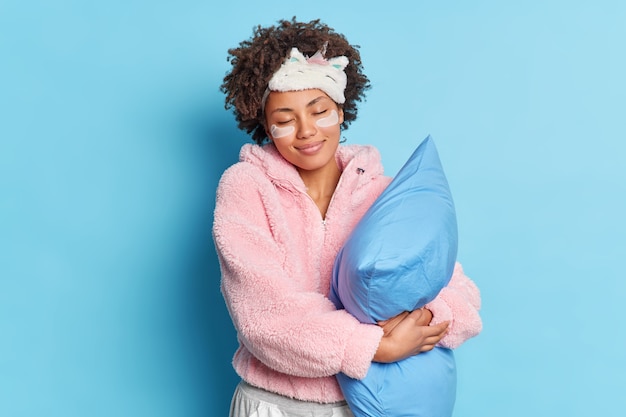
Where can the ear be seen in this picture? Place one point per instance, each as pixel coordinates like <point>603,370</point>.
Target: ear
<point>340,111</point>
<point>267,131</point>
<point>296,56</point>
<point>339,62</point>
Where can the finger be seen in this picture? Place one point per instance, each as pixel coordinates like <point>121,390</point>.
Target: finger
<point>437,329</point>
<point>443,326</point>
<point>422,315</point>
<point>416,314</point>
<point>392,323</point>
<point>434,338</point>
<point>427,348</point>
<point>430,343</point>
<point>418,317</point>
<point>397,318</point>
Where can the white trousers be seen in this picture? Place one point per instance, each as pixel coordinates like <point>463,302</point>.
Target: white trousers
<point>249,401</point>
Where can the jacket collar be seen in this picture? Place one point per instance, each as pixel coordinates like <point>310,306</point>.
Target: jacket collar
<point>356,162</point>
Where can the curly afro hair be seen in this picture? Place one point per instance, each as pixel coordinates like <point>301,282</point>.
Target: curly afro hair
<point>255,60</point>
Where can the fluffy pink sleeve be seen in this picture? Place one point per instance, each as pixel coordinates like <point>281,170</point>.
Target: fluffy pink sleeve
<point>458,303</point>
<point>287,326</point>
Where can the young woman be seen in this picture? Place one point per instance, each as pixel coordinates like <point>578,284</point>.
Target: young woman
<point>283,212</point>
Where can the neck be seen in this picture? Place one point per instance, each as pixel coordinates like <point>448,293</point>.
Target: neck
<point>321,185</point>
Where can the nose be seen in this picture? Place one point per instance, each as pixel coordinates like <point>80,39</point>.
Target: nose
<point>306,128</point>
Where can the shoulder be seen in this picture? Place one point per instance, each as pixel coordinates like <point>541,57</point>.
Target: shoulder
<point>248,170</point>
<point>241,174</point>
<point>364,158</point>
<point>260,164</point>
<point>239,182</point>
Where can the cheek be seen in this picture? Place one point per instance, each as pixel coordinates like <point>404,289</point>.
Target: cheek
<point>331,120</point>
<point>281,132</point>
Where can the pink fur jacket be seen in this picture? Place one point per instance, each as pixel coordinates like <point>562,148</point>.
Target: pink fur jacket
<point>276,255</point>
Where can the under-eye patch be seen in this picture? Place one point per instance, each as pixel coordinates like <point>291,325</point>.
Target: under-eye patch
<point>330,120</point>
<point>281,132</point>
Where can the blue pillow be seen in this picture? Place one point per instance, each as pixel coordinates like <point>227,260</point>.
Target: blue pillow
<point>423,385</point>
<point>398,258</point>
<point>403,250</point>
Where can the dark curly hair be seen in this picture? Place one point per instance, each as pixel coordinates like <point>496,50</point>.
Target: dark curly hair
<point>255,60</point>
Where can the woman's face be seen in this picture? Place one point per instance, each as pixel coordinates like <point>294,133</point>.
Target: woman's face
<point>305,127</point>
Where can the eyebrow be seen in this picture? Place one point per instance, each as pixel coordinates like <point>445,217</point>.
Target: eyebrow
<point>309,104</point>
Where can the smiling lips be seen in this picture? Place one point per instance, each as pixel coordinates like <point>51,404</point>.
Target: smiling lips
<point>310,148</point>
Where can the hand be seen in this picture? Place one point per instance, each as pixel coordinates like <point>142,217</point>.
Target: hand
<point>423,319</point>
<point>408,334</point>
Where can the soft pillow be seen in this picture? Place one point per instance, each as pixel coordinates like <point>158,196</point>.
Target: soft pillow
<point>398,258</point>
<point>423,385</point>
<point>403,250</point>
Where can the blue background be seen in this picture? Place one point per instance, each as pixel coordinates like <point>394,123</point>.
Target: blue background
<point>113,136</point>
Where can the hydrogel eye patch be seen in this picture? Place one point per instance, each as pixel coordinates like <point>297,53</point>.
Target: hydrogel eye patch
<point>281,132</point>
<point>330,120</point>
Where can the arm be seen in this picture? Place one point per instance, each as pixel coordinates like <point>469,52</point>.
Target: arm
<point>408,334</point>
<point>457,303</point>
<point>280,319</point>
